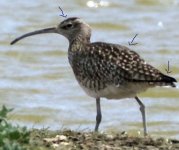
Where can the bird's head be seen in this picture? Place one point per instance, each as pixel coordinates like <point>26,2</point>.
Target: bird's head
<point>70,28</point>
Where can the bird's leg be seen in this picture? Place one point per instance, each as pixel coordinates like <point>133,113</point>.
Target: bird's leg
<point>142,109</point>
<point>98,116</point>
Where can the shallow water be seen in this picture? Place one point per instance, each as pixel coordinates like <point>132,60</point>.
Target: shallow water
<point>37,81</point>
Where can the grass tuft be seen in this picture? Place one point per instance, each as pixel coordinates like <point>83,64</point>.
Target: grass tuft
<point>11,137</point>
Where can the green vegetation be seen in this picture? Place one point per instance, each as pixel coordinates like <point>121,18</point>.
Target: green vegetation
<point>11,137</point>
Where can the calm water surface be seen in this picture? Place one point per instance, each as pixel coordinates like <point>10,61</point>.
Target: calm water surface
<point>37,81</point>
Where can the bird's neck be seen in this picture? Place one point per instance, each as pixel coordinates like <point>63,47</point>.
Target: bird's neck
<point>78,43</point>
<point>76,48</point>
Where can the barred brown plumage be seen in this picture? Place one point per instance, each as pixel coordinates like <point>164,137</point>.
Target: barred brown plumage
<point>104,69</point>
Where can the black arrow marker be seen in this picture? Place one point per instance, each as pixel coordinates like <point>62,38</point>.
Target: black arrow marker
<point>168,69</point>
<point>131,43</point>
<point>63,15</point>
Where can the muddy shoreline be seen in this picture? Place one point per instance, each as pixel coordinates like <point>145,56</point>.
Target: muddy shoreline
<point>74,140</point>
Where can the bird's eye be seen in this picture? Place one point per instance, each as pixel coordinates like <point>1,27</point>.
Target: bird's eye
<point>69,25</point>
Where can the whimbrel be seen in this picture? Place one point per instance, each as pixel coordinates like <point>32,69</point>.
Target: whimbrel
<point>106,70</point>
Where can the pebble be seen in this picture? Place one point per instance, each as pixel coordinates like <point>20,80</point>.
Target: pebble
<point>61,137</point>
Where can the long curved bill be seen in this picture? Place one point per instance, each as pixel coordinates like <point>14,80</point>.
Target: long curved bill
<point>47,30</point>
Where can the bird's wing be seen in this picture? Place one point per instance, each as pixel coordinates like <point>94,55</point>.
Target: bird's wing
<point>116,62</point>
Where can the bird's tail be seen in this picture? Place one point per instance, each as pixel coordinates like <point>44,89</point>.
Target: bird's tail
<point>167,81</point>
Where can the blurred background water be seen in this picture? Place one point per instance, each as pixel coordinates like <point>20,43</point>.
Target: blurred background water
<point>37,81</point>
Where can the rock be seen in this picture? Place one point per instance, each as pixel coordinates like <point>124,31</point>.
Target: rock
<point>61,137</point>
<point>55,145</point>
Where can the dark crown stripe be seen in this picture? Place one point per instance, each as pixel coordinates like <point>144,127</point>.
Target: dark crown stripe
<point>70,19</point>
